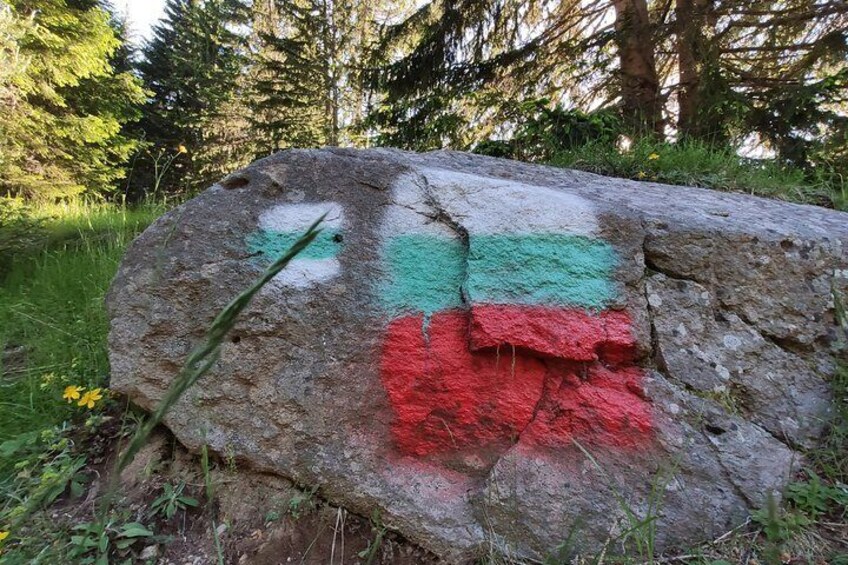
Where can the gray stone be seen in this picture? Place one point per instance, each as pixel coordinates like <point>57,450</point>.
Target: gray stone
<point>494,354</point>
<point>149,554</point>
<point>715,353</point>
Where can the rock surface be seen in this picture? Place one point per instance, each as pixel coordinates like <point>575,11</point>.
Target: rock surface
<point>494,354</point>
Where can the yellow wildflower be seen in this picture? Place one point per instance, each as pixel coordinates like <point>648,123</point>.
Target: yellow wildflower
<point>641,175</point>
<point>182,149</point>
<point>3,534</point>
<point>90,398</point>
<point>72,392</point>
<point>653,156</point>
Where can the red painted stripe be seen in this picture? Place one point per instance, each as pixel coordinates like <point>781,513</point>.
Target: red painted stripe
<point>602,407</point>
<point>557,332</point>
<point>447,396</point>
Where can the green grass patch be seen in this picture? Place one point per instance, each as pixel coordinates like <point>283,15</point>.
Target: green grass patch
<point>52,335</point>
<point>696,164</point>
<point>831,458</point>
<point>27,231</point>
<point>54,373</point>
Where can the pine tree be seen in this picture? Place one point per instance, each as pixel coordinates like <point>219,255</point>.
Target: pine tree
<point>13,65</point>
<point>66,105</point>
<point>308,73</point>
<point>639,84</point>
<point>287,98</point>
<point>792,78</point>
<point>193,66</point>
<point>450,73</point>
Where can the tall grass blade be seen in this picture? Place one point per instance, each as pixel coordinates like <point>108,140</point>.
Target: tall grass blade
<point>202,358</point>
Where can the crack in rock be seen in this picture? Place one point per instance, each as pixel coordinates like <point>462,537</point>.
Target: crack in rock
<point>781,434</point>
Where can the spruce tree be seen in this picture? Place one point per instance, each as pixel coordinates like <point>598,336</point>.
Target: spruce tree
<point>66,105</point>
<point>447,74</point>
<point>192,66</point>
<point>307,75</point>
<point>775,69</point>
<point>287,95</point>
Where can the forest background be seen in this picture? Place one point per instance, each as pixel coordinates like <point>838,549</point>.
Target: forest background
<point>731,94</point>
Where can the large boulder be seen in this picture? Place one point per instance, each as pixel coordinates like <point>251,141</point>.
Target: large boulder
<point>494,354</point>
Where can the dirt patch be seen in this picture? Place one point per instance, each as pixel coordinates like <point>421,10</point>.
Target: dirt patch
<point>259,518</point>
<point>325,535</point>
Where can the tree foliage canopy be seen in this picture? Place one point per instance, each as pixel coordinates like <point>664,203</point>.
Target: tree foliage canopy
<point>63,103</point>
<point>228,81</point>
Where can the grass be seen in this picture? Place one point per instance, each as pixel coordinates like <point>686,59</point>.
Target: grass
<point>53,334</point>
<point>696,164</point>
<point>55,324</point>
<point>52,322</point>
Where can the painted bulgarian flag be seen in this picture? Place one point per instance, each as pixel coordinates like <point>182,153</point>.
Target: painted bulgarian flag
<point>499,336</point>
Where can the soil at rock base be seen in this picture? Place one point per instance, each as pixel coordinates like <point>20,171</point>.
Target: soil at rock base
<point>262,519</point>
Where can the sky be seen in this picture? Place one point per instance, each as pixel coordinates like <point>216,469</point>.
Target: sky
<point>142,14</point>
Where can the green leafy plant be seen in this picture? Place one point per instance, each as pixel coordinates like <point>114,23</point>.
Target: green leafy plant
<point>778,524</point>
<point>93,541</point>
<point>46,467</point>
<point>302,501</point>
<point>379,530</point>
<point>229,457</point>
<point>171,500</point>
<point>815,498</point>
<point>272,516</point>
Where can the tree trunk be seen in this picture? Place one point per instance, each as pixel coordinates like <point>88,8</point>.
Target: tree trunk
<point>691,20</point>
<point>640,89</point>
<point>330,64</point>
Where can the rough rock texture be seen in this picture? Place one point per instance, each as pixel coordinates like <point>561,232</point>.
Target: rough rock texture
<point>495,354</point>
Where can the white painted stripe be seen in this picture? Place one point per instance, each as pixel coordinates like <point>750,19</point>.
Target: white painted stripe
<point>410,213</point>
<point>497,206</point>
<point>304,273</point>
<point>298,217</point>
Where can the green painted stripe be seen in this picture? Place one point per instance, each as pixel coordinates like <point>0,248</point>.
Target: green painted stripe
<point>272,244</point>
<point>425,273</point>
<point>550,269</point>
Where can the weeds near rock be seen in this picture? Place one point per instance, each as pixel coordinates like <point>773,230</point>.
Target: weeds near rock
<point>99,537</point>
<point>171,500</point>
<point>60,465</point>
<point>379,530</point>
<point>303,500</point>
<point>641,530</point>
